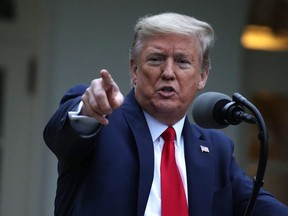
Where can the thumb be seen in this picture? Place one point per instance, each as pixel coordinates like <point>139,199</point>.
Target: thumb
<point>117,100</point>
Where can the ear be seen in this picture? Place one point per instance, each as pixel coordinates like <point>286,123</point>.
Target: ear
<point>133,69</point>
<point>203,79</point>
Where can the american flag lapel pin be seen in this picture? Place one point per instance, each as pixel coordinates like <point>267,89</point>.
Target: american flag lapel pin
<point>204,149</point>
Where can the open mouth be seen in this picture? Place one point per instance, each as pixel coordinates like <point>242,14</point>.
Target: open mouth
<point>167,89</point>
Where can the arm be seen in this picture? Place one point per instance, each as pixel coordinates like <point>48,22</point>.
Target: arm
<point>265,205</point>
<point>66,143</point>
<point>233,184</point>
<point>99,99</point>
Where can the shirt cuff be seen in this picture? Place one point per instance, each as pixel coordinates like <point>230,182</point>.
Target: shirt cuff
<point>84,125</point>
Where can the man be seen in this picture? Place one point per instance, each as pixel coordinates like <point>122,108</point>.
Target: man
<point>113,152</point>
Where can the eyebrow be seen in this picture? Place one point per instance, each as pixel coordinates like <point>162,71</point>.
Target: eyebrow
<point>153,50</point>
<point>158,52</point>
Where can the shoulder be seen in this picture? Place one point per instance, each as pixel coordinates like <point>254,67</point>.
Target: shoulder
<point>217,138</point>
<point>209,134</point>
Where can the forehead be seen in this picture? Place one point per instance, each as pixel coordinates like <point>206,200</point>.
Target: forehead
<point>172,43</point>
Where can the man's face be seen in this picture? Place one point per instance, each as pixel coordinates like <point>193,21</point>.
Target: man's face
<point>167,76</point>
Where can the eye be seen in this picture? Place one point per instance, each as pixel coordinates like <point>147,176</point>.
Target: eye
<point>183,63</point>
<point>155,60</point>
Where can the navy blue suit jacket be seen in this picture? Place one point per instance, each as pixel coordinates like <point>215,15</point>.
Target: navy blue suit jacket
<point>110,174</point>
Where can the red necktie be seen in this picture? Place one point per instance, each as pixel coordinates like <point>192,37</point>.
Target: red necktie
<point>173,199</point>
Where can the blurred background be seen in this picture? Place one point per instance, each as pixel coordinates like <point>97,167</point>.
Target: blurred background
<point>48,46</point>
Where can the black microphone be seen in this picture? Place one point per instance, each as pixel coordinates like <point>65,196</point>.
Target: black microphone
<point>217,110</point>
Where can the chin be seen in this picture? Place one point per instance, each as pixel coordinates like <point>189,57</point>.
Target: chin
<point>167,108</point>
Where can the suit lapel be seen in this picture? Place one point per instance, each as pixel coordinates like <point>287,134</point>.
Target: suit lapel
<point>137,123</point>
<point>200,171</point>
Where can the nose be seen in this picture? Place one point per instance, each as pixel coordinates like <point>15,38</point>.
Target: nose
<point>168,72</point>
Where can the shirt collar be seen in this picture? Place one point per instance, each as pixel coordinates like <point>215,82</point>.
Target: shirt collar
<point>157,128</point>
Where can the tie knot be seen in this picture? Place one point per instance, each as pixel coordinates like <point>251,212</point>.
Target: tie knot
<point>169,134</point>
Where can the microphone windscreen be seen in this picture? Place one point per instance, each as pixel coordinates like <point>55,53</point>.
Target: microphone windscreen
<point>206,109</point>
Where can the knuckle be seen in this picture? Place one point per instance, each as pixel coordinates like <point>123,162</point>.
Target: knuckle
<point>100,96</point>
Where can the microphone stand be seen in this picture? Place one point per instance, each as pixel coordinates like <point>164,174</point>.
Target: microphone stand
<point>263,154</point>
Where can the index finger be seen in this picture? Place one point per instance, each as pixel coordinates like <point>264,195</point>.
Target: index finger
<point>107,79</point>
<point>114,96</point>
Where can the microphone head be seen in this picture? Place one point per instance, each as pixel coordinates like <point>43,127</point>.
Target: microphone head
<point>206,110</point>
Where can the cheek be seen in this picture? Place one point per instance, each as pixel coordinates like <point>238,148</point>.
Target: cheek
<point>189,87</point>
<point>191,82</point>
<point>146,77</point>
